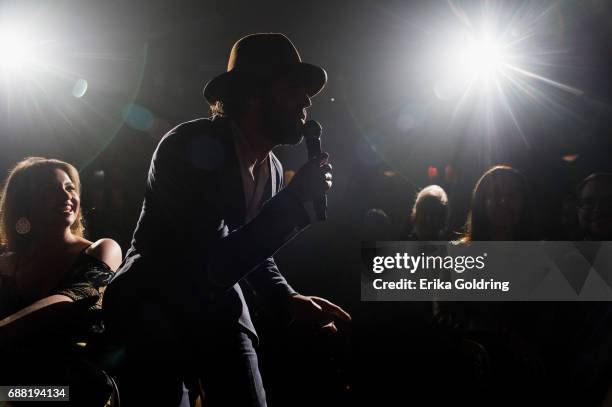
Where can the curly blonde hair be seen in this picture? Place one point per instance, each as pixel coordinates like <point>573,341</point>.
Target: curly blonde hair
<point>16,199</point>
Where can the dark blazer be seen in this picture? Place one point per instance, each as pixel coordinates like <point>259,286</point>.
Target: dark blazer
<point>191,245</point>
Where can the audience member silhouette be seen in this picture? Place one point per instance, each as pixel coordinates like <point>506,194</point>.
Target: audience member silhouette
<point>429,216</point>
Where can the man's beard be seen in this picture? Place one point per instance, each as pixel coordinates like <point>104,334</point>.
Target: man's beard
<point>282,129</point>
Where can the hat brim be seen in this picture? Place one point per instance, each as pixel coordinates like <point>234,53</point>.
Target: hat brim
<point>223,86</point>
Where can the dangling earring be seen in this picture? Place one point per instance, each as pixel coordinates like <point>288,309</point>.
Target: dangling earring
<point>23,226</point>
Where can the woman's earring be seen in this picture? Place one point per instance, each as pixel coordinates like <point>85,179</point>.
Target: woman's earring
<point>23,226</point>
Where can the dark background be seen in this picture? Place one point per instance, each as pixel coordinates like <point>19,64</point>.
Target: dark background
<point>155,56</point>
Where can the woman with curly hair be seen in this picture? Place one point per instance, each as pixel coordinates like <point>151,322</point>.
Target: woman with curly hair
<point>51,277</point>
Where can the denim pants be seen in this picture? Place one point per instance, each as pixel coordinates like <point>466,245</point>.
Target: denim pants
<point>159,357</point>
<point>229,372</point>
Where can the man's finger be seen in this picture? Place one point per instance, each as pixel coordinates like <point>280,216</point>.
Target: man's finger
<point>323,158</point>
<point>331,327</point>
<point>316,305</point>
<point>332,309</point>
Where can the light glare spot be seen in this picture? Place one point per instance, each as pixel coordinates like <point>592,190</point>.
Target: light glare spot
<point>138,117</point>
<point>80,88</point>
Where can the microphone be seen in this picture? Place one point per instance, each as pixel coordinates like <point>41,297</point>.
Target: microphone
<point>312,134</point>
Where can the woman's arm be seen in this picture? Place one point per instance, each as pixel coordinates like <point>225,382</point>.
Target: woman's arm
<point>58,310</point>
<point>36,317</point>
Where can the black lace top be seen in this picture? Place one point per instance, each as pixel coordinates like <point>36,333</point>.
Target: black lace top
<point>85,283</point>
<point>59,356</point>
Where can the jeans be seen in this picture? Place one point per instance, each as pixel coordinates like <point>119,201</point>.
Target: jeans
<point>159,357</point>
<point>229,372</point>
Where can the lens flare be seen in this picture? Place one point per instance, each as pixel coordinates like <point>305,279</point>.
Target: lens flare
<point>15,47</point>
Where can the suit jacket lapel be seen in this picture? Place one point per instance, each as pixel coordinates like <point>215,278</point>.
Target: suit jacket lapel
<point>274,181</point>
<point>233,190</point>
<point>233,199</point>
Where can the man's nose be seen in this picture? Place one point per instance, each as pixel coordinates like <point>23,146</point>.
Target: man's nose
<point>306,102</point>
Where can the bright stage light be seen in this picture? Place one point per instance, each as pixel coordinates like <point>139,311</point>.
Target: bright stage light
<point>483,56</point>
<point>15,47</point>
<point>489,63</point>
<point>470,62</point>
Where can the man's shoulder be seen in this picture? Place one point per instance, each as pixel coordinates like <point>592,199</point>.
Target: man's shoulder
<point>199,126</point>
<point>185,133</point>
<point>203,142</point>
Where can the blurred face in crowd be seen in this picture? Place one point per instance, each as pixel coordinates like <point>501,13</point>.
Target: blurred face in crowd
<point>430,218</point>
<point>504,202</point>
<point>595,209</point>
<point>284,110</point>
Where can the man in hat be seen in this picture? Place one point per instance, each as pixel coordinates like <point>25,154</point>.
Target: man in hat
<point>214,214</point>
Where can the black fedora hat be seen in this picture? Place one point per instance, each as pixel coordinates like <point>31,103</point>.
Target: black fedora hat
<point>263,56</point>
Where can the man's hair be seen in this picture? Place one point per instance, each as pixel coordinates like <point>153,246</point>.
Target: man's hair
<point>237,101</point>
<point>227,108</point>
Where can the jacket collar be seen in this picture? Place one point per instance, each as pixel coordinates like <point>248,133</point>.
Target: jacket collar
<point>234,208</point>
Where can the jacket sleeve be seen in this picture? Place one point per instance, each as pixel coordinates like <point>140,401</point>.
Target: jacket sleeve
<point>182,165</point>
<point>267,279</point>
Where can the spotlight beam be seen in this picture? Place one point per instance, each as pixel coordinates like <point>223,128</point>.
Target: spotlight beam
<point>538,96</point>
<point>491,64</point>
<point>558,85</point>
<point>504,100</point>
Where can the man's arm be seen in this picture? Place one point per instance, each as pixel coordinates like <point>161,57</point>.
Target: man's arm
<point>268,280</point>
<point>224,261</point>
<point>246,248</point>
<point>311,181</point>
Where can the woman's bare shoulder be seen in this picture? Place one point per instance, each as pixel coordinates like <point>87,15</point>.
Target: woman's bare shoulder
<point>108,251</point>
<point>80,244</point>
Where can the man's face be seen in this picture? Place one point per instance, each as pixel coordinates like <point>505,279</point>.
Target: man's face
<point>284,110</point>
<point>595,209</point>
